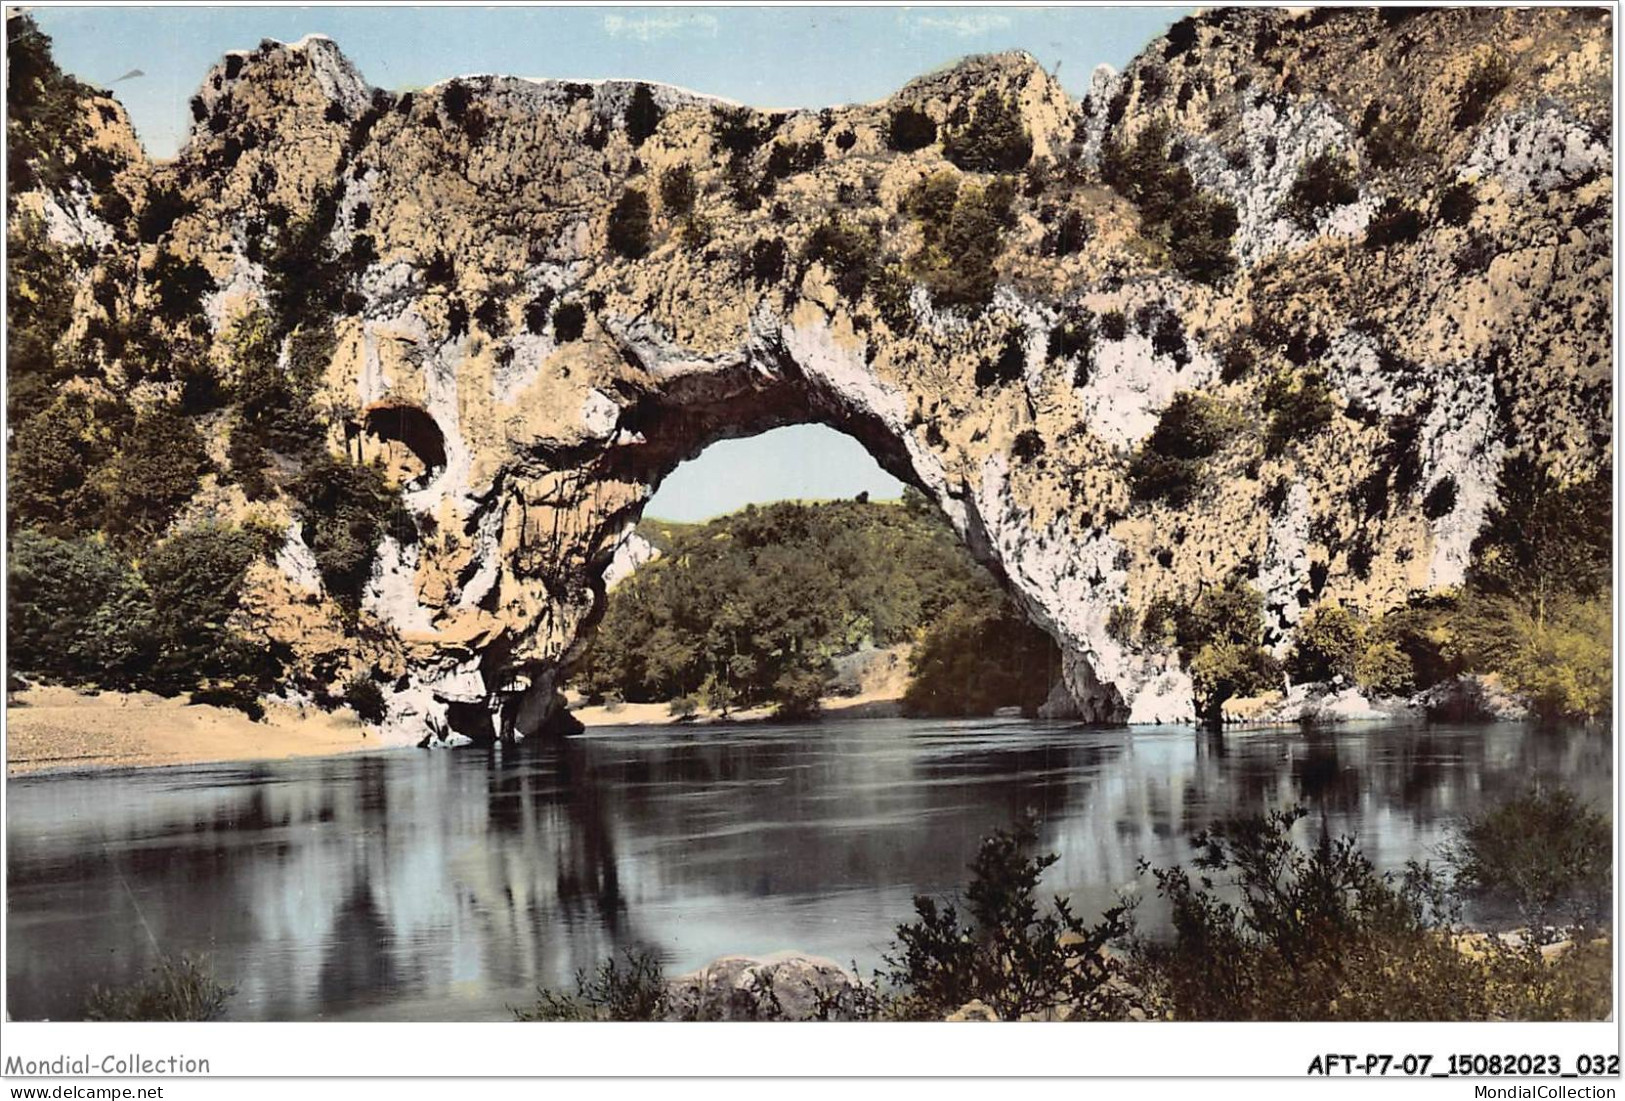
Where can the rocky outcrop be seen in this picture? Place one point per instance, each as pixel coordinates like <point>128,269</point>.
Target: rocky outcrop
<point>782,987</point>
<point>1331,704</point>
<point>1471,698</point>
<point>545,295</point>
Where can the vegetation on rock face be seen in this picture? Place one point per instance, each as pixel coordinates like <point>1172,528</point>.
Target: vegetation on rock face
<point>629,224</point>
<point>1170,464</point>
<point>347,508</point>
<point>849,250</point>
<point>909,130</point>
<point>750,608</point>
<point>1299,405</point>
<point>366,699</point>
<point>962,233</point>
<point>46,125</point>
<point>1324,183</point>
<point>1195,227</point>
<point>994,139</point>
<point>1489,76</point>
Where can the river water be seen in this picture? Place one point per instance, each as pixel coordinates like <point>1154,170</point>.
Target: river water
<point>446,885</point>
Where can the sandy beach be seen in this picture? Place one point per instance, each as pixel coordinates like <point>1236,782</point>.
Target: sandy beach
<point>54,728</point>
<point>50,728</point>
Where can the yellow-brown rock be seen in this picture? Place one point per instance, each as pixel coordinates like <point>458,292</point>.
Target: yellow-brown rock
<point>468,213</point>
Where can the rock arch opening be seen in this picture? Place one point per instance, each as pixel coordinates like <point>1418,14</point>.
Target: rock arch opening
<point>788,572</point>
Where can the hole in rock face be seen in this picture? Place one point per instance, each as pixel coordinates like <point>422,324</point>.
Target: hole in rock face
<point>411,444</point>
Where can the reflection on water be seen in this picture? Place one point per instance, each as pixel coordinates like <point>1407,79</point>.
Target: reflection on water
<point>447,885</point>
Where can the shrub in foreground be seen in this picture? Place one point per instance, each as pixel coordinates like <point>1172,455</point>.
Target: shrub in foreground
<point>1268,929</point>
<point>1010,955</point>
<point>1544,852</point>
<point>181,989</point>
<point>630,989</point>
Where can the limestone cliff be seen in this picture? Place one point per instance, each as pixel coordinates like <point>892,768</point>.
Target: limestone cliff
<point>532,358</point>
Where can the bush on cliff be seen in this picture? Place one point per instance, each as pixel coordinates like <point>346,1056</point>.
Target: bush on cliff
<point>346,509</point>
<point>363,696</point>
<point>1170,465</point>
<point>909,130</point>
<point>962,234</point>
<point>1195,226</point>
<point>1324,182</point>
<point>629,223</point>
<point>1299,405</point>
<point>995,139</point>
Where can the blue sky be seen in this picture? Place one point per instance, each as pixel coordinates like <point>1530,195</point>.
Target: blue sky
<point>769,57</point>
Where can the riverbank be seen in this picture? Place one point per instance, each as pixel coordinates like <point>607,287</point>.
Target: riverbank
<point>867,705</point>
<point>52,728</point>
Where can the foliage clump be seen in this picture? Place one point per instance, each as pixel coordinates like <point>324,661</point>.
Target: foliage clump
<point>1299,405</point>
<point>977,657</point>
<point>629,224</point>
<point>366,699</point>
<point>994,139</point>
<point>1195,227</point>
<point>1220,641</point>
<point>346,508</point>
<point>1537,604</point>
<point>181,989</point>
<point>909,130</point>
<point>643,115</point>
<point>1270,929</point>
<point>79,613</point>
<point>630,989</point>
<point>751,608</point>
<point>1544,852</point>
<point>1324,183</point>
<point>962,230</point>
<point>848,249</point>
<point>1012,954</point>
<point>1170,465</point>
<point>1328,643</point>
<point>1487,79</point>
<point>678,191</point>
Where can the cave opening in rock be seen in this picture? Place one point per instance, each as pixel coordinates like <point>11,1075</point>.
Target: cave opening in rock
<point>407,441</point>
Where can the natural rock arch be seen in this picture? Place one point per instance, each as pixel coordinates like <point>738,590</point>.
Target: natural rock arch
<point>455,243</point>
